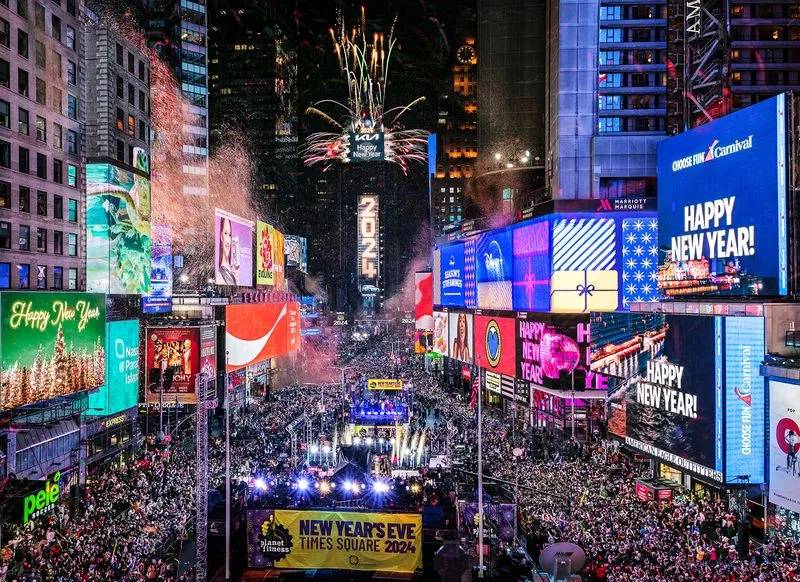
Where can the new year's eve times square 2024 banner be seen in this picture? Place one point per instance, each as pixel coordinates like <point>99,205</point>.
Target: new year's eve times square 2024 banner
<point>337,540</point>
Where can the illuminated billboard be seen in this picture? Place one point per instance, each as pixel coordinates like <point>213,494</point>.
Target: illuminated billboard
<point>296,250</point>
<point>369,264</point>
<point>159,300</point>
<point>364,147</point>
<point>494,344</point>
<point>423,301</point>
<point>121,389</point>
<point>278,260</point>
<point>255,332</point>
<point>460,336</point>
<point>494,269</point>
<point>784,444</point>
<point>51,344</point>
<point>270,257</point>
<point>532,267</point>
<point>440,332</point>
<point>437,276</point>
<point>470,281</point>
<point>117,230</point>
<point>451,275</point>
<point>177,348</point>
<point>233,249</point>
<point>722,205</point>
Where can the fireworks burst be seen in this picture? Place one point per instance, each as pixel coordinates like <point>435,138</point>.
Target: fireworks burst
<point>364,63</point>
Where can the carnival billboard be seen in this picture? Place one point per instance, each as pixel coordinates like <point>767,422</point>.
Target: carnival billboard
<point>495,343</point>
<point>121,389</point>
<point>118,255</point>
<point>177,348</point>
<point>722,195</point>
<point>784,444</point>
<point>51,344</point>
<point>494,269</point>
<point>460,336</point>
<point>159,299</point>
<point>233,249</point>
<point>451,275</point>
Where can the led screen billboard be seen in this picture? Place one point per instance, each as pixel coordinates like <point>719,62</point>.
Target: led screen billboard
<point>117,230</point>
<point>460,336</point>
<point>451,275</point>
<point>437,276</point>
<point>440,332</point>
<point>368,244</point>
<point>364,147</point>
<point>722,205</point>
<point>494,343</point>
<point>177,348</point>
<point>51,344</point>
<point>784,444</point>
<point>233,249</point>
<point>121,389</point>
<point>423,301</point>
<point>159,300</point>
<point>532,272</point>
<point>296,250</point>
<point>278,260</point>
<point>494,269</point>
<point>255,332</point>
<point>270,259</point>
<point>744,399</point>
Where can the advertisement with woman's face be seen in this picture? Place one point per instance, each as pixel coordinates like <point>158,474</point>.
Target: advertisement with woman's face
<point>233,250</point>
<point>461,345</point>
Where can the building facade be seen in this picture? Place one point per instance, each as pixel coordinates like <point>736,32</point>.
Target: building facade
<point>42,200</point>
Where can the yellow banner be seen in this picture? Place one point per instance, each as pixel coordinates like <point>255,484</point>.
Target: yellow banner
<point>384,384</point>
<point>340,540</point>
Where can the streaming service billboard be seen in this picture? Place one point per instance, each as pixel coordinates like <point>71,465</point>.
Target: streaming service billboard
<point>117,230</point>
<point>121,389</point>
<point>531,247</point>
<point>233,249</point>
<point>440,332</point>
<point>177,348</point>
<point>452,275</point>
<point>255,332</point>
<point>369,263</point>
<point>494,343</point>
<point>494,269</point>
<point>784,444</point>
<point>460,336</point>
<point>296,250</point>
<point>51,344</point>
<point>745,404</point>
<point>552,349</point>
<point>470,282</point>
<point>423,301</point>
<point>722,205</point>
<point>159,300</point>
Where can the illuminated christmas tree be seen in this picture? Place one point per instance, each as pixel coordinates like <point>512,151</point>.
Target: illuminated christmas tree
<point>59,367</point>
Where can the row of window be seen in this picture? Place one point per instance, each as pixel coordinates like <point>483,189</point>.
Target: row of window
<point>646,34</point>
<point>24,165</point>
<point>42,203</point>
<point>765,33</point>
<point>615,102</point>
<point>766,10</point>
<point>629,124</point>
<point>131,127</point>
<point>631,57</point>
<point>613,80</point>
<point>765,55</point>
<point>132,62</point>
<point>23,38</point>
<point>41,455</point>
<point>24,127</point>
<point>43,241</point>
<point>56,95</point>
<point>765,78</point>
<point>636,12</point>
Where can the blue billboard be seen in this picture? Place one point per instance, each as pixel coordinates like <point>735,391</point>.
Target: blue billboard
<point>722,205</point>
<point>532,266</point>
<point>744,400</point>
<point>451,276</point>
<point>159,300</point>
<point>494,270</point>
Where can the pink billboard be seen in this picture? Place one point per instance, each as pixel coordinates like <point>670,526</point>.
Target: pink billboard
<point>233,249</point>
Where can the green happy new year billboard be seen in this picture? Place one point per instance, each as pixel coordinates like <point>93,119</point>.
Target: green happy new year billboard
<point>51,344</point>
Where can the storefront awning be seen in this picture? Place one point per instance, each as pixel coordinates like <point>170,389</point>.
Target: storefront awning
<point>36,436</point>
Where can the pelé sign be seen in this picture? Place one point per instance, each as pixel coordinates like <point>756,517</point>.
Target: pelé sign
<point>42,501</point>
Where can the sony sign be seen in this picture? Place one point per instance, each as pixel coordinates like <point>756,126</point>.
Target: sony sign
<point>368,249</point>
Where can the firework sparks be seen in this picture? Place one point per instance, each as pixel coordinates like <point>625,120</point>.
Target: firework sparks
<point>365,67</point>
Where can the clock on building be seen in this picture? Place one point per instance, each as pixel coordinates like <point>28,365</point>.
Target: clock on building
<point>465,54</point>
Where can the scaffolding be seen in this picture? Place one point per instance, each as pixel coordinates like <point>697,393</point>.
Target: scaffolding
<point>201,485</point>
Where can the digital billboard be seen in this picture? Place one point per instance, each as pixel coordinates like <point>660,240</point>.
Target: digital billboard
<point>368,244</point>
<point>494,269</point>
<point>494,343</point>
<point>532,272</point>
<point>177,348</point>
<point>423,301</point>
<point>255,332</point>
<point>51,344</point>
<point>159,300</point>
<point>294,325</point>
<point>470,282</point>
<point>784,444</point>
<point>121,389</point>
<point>460,336</point>
<point>437,276</point>
<point>440,332</point>
<point>117,230</point>
<point>364,147</point>
<point>744,399</point>
<point>278,260</point>
<point>451,275</point>
<point>296,250</point>
<point>722,205</point>
<point>334,540</point>
<point>233,249</point>
<point>552,350</point>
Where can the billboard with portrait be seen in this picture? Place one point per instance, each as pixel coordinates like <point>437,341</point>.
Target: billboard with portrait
<point>494,269</point>
<point>722,205</point>
<point>784,444</point>
<point>440,332</point>
<point>117,230</point>
<point>423,301</point>
<point>51,344</point>
<point>451,275</point>
<point>460,336</point>
<point>532,272</point>
<point>296,250</point>
<point>159,300</point>
<point>177,348</point>
<point>121,389</point>
<point>233,249</point>
<point>255,332</point>
<point>495,343</point>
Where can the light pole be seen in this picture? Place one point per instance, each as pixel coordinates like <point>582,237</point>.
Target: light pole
<point>161,399</point>
<point>227,473</point>
<point>480,473</point>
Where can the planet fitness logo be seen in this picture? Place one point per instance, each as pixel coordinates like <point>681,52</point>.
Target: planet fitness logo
<point>493,343</point>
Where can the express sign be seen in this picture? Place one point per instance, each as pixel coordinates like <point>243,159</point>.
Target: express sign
<point>368,257</point>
